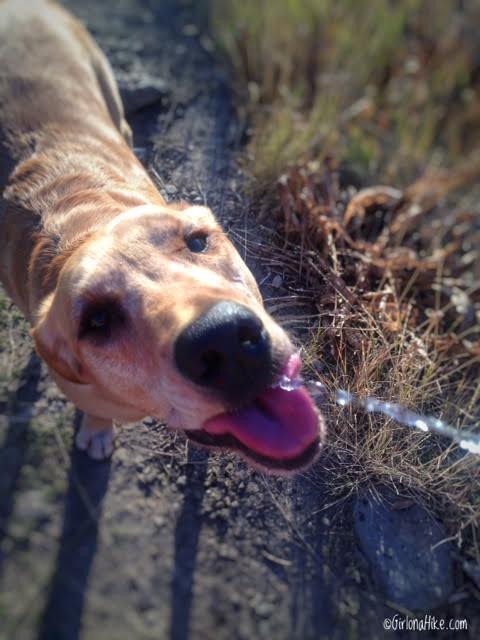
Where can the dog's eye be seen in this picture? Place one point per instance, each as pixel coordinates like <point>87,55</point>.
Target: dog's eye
<point>197,242</point>
<point>98,321</point>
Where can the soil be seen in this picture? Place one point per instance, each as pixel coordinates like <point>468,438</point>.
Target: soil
<point>165,540</point>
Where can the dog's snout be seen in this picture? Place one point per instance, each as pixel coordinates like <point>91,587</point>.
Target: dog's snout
<point>226,349</point>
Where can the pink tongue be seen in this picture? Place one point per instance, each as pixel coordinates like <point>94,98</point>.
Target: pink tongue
<point>280,424</point>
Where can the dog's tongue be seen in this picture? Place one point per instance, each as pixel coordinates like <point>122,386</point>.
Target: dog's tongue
<point>280,424</point>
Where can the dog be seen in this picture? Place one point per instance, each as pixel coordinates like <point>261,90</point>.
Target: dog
<point>138,307</point>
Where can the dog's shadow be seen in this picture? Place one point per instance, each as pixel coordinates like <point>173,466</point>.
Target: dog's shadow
<point>87,486</point>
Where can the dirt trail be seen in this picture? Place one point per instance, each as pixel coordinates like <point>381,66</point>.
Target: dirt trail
<point>164,541</point>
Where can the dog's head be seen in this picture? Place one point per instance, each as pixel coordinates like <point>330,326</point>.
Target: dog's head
<point>159,315</point>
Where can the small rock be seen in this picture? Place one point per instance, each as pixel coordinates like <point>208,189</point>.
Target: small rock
<point>137,46</point>
<point>252,487</point>
<point>277,281</point>
<point>207,43</point>
<point>190,30</point>
<point>228,552</point>
<point>263,608</point>
<point>121,456</point>
<point>140,91</point>
<point>170,189</point>
<point>32,505</point>
<point>408,564</point>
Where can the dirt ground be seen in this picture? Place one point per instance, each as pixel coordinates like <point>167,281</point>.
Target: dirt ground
<point>165,541</point>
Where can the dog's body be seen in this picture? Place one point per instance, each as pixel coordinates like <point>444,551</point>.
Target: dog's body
<point>73,170</point>
<point>126,295</point>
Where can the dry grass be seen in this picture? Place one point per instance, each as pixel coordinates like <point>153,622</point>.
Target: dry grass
<point>397,317</point>
<point>390,276</point>
<point>388,87</point>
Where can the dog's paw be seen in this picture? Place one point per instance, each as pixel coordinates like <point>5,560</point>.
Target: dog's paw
<point>97,441</point>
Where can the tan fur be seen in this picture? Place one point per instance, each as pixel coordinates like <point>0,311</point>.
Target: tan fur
<point>82,220</point>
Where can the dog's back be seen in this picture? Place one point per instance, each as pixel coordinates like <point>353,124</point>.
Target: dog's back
<point>50,74</point>
<point>64,160</point>
<point>43,75</point>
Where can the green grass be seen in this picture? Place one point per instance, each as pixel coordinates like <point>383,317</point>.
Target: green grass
<point>13,330</point>
<point>383,85</point>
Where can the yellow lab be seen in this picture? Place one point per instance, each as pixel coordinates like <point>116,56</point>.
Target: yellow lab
<point>137,306</point>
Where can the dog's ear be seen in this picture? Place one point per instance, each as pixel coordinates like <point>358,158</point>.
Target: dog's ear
<point>52,344</point>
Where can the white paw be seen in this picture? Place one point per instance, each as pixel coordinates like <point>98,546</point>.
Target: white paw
<point>98,443</point>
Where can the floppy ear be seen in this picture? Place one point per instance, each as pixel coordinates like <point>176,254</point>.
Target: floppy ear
<point>52,345</point>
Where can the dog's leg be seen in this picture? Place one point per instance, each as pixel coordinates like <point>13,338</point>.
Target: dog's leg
<point>96,436</point>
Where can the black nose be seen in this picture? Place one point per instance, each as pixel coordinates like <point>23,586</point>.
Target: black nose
<point>226,349</point>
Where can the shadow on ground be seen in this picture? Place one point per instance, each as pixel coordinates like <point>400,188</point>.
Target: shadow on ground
<point>19,408</point>
<point>87,486</point>
<point>187,534</point>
